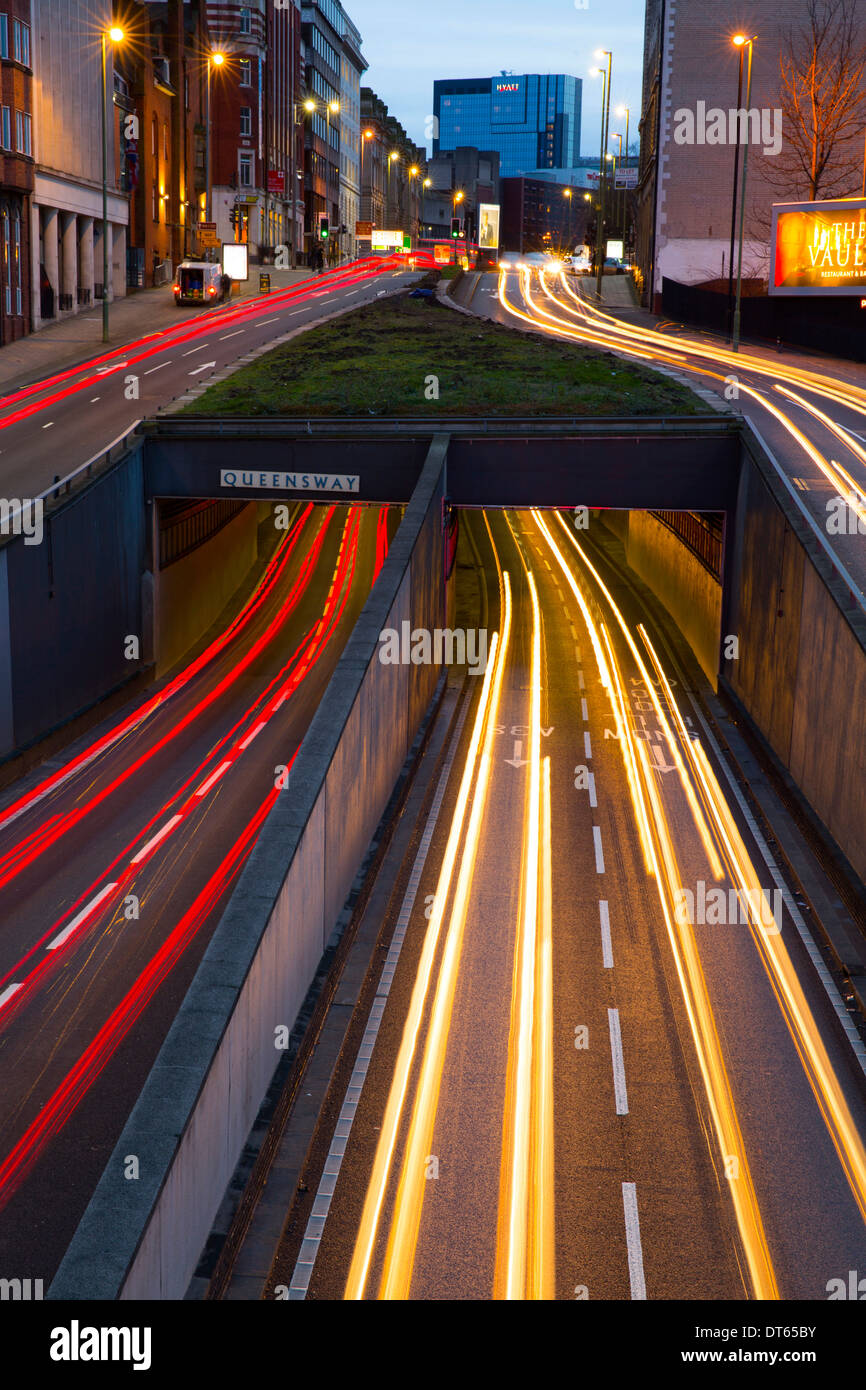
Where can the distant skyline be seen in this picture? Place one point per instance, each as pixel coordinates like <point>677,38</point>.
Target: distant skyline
<point>406,53</point>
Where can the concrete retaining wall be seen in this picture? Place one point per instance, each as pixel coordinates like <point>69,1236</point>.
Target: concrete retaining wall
<point>192,592</point>
<point>143,1239</point>
<point>801,670</point>
<point>686,588</point>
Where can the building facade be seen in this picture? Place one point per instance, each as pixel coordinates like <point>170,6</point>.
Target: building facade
<point>531,120</point>
<point>471,172</point>
<point>537,217</point>
<point>353,65</point>
<point>322,31</point>
<point>17,173</point>
<point>393,169</point>
<point>689,137</point>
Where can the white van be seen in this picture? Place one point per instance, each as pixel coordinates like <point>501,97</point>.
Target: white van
<point>198,282</point>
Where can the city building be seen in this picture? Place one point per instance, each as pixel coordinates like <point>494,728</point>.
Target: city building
<point>393,169</point>
<point>689,136</point>
<point>322,33</point>
<point>352,67</point>
<point>66,223</point>
<point>537,216</point>
<point>532,120</point>
<point>471,172</point>
<point>17,170</point>
<point>237,88</point>
<point>283,145</point>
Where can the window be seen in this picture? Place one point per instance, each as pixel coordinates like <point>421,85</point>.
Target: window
<point>245,20</point>
<point>4,229</point>
<point>5,128</point>
<point>23,132</point>
<point>4,36</point>
<point>245,71</point>
<point>16,258</point>
<point>245,167</point>
<point>21,42</point>
<point>246,120</point>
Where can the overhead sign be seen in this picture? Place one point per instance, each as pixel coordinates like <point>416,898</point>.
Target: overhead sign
<point>819,248</point>
<point>236,260</point>
<point>276,181</point>
<point>364,230</point>
<point>381,239</point>
<point>296,482</point>
<point>625,178</point>
<point>488,226</point>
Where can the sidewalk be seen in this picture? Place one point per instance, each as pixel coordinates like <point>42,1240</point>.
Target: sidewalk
<point>79,337</point>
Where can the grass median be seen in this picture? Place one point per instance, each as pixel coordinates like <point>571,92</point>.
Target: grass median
<point>405,356</point>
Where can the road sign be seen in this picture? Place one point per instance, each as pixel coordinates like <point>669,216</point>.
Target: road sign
<point>251,198</point>
<point>363,230</point>
<point>264,283</point>
<point>208,233</point>
<point>625,178</point>
<point>276,181</point>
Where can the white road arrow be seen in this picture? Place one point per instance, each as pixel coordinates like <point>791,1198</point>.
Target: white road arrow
<point>203,368</point>
<point>517,761</point>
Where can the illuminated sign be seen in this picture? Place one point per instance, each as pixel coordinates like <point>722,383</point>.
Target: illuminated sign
<point>508,86</point>
<point>382,239</point>
<point>236,260</point>
<point>488,225</point>
<point>819,248</point>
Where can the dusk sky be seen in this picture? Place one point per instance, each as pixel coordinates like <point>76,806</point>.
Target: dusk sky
<point>407,51</point>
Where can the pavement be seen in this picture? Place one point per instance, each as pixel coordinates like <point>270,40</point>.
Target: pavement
<point>71,340</point>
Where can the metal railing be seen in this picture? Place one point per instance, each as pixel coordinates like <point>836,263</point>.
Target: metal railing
<point>701,533</point>
<point>186,525</point>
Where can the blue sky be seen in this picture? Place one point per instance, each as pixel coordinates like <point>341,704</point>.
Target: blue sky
<point>450,38</point>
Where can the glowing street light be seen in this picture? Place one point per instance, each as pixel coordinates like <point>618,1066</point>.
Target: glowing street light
<point>115,36</point>
<point>741,42</point>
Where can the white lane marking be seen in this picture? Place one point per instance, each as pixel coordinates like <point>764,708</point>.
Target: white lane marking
<point>593,799</point>
<point>578,655</point>
<point>214,777</point>
<point>599,855</point>
<point>584,714</point>
<point>299,311</point>
<point>260,323</point>
<point>232,335</point>
<point>94,399</point>
<point>48,426</point>
<point>252,734</point>
<point>82,916</point>
<point>355,291</point>
<point>632,1236</point>
<point>581,683</point>
<point>150,370</point>
<point>8,992</point>
<point>321,1205</point>
<point>619,1091</point>
<point>587,745</point>
<point>192,350</point>
<point>606,943</point>
<point>154,841</point>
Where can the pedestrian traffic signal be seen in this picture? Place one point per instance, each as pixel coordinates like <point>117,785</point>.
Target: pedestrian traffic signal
<point>324,229</point>
<point>455,226</point>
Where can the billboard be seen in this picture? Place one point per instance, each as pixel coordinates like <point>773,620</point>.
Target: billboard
<point>488,226</point>
<point>381,239</point>
<point>819,248</point>
<point>236,260</point>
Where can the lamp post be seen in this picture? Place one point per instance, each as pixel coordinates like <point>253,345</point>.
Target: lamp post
<point>567,193</point>
<point>605,120</point>
<point>741,42</point>
<point>393,155</point>
<point>115,36</point>
<point>216,60</point>
<point>624,111</point>
<point>617,164</point>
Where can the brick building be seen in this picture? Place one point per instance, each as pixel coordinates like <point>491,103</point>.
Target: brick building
<point>16,169</point>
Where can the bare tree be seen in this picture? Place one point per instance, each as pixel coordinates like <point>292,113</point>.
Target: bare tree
<point>822,95</point>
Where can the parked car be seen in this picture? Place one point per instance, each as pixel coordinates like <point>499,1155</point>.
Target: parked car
<point>578,265</point>
<point>614,266</point>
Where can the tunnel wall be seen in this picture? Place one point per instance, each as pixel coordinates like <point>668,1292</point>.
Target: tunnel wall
<point>800,674</point>
<point>71,601</point>
<point>678,579</point>
<point>144,1239</point>
<point>193,591</point>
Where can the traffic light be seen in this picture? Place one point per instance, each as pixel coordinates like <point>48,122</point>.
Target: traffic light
<point>324,230</point>
<point>455,226</point>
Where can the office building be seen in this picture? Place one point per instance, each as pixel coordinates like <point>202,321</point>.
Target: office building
<point>531,120</point>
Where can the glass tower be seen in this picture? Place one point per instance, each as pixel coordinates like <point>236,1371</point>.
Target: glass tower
<point>533,120</point>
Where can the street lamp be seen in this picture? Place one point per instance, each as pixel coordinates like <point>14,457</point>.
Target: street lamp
<point>739,41</point>
<point>624,111</point>
<point>114,36</point>
<point>605,119</point>
<point>567,193</point>
<point>742,42</point>
<point>215,60</point>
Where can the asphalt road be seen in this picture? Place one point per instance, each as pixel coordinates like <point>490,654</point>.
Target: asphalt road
<point>570,1093</point>
<point>116,856</point>
<point>46,432</point>
<point>563,306</point>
